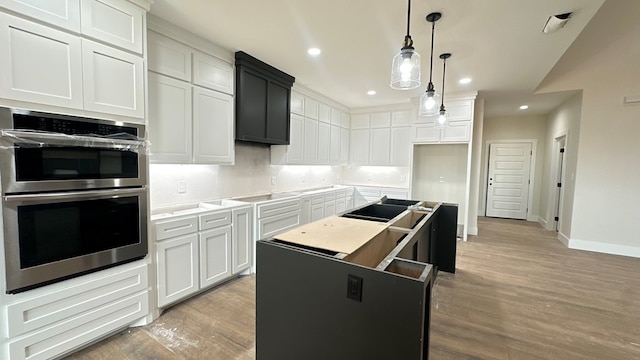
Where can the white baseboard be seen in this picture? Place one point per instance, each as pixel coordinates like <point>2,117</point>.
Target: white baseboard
<point>533,218</point>
<point>472,231</point>
<point>614,249</point>
<point>563,239</point>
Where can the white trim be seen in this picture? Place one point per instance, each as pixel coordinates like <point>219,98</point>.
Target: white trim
<point>614,249</point>
<point>563,239</point>
<point>472,231</point>
<point>532,173</point>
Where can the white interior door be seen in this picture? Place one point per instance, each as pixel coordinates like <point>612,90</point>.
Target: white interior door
<point>508,185</point>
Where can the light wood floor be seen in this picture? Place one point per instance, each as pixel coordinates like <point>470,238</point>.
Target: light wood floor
<point>517,294</point>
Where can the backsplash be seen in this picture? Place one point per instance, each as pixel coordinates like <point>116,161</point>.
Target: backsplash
<point>251,175</point>
<point>390,176</point>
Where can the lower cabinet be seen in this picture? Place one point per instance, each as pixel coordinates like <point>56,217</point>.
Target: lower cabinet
<point>178,267</point>
<point>56,319</point>
<point>215,256</point>
<point>196,252</point>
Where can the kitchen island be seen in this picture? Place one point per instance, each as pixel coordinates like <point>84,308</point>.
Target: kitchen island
<point>353,286</point>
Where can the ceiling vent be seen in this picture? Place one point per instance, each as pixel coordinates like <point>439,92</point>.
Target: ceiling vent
<point>556,22</point>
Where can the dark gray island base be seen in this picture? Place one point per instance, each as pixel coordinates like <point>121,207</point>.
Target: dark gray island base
<point>349,288</point>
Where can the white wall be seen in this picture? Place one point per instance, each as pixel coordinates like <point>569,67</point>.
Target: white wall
<point>251,175</point>
<point>565,120</point>
<point>476,167</point>
<point>390,176</point>
<point>516,128</point>
<point>605,63</point>
<point>446,161</point>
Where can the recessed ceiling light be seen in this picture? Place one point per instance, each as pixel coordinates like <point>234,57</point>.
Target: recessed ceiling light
<point>465,80</point>
<point>524,107</point>
<point>371,92</point>
<point>314,51</point>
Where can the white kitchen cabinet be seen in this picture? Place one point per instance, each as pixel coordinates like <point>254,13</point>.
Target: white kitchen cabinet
<point>212,73</point>
<point>459,110</point>
<point>212,127</point>
<point>169,120</point>
<point>344,146</point>
<point>310,140</point>
<point>317,207</point>
<point>117,22</point>
<point>169,57</point>
<point>360,121</point>
<point>336,139</point>
<point>291,154</point>
<point>62,13</point>
<point>336,117</point>
<point>242,239</point>
<point>345,120</point>
<point>381,120</point>
<point>75,310</point>
<point>297,103</point>
<point>305,209</point>
<point>215,256</point>
<point>359,147</point>
<point>324,143</point>
<point>324,113</point>
<point>426,133</point>
<point>311,108</point>
<point>113,80</point>
<point>39,64</point>
<point>456,131</point>
<point>401,118</point>
<point>329,203</point>
<point>379,146</point>
<point>178,268</point>
<point>401,146</point>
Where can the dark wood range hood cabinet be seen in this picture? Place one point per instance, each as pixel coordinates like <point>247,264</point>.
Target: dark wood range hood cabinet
<point>263,96</point>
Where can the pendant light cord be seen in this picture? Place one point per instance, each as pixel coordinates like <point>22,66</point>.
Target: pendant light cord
<point>444,70</point>
<point>433,29</point>
<point>408,17</point>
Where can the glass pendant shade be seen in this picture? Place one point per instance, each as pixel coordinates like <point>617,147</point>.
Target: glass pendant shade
<point>429,103</point>
<point>405,69</point>
<point>441,122</point>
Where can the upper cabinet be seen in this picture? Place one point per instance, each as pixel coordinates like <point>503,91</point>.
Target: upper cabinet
<point>191,107</point>
<point>458,128</point>
<point>61,13</point>
<point>90,59</point>
<point>319,134</point>
<point>381,138</point>
<point>262,101</point>
<point>115,22</point>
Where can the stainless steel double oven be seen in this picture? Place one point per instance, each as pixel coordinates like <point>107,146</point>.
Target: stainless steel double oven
<point>74,196</point>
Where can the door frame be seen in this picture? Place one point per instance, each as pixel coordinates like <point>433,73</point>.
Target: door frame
<point>552,195</point>
<point>532,173</point>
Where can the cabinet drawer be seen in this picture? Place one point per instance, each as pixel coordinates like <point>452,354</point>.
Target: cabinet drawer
<point>166,229</point>
<point>117,22</point>
<point>87,327</point>
<point>276,224</point>
<point>330,196</point>
<point>63,304</point>
<point>317,199</point>
<point>341,193</point>
<point>213,220</point>
<point>279,207</point>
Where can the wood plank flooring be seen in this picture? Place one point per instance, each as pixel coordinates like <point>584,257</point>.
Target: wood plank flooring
<point>517,294</point>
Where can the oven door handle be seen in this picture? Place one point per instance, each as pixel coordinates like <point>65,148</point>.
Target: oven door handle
<point>74,195</point>
<point>38,138</point>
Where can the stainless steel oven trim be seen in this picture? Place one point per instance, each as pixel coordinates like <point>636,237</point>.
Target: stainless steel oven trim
<point>17,278</point>
<point>7,163</point>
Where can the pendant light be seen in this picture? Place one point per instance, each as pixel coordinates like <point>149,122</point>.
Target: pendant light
<point>405,69</point>
<point>429,100</point>
<point>442,119</point>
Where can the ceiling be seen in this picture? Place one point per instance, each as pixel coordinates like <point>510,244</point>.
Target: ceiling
<point>497,43</point>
